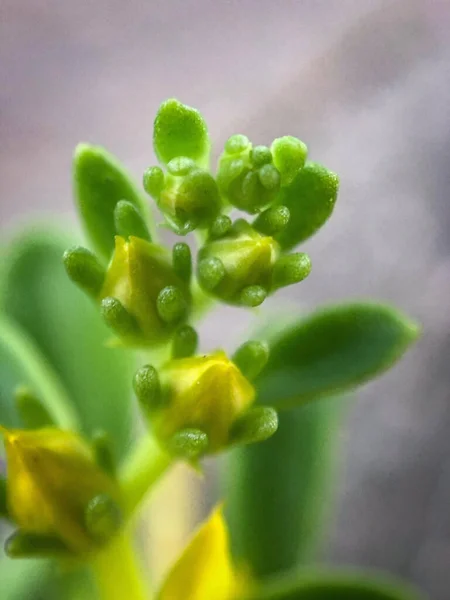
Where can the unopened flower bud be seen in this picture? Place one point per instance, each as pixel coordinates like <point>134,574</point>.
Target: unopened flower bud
<point>247,177</point>
<point>289,156</point>
<point>143,299</point>
<point>52,481</point>
<point>189,197</point>
<point>202,393</point>
<point>238,267</point>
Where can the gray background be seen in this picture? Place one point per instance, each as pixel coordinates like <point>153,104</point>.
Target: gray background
<point>366,84</point>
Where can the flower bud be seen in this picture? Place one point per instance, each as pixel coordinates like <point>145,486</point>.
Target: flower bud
<point>289,156</point>
<point>202,393</point>
<point>246,177</point>
<point>189,197</point>
<point>143,299</point>
<point>238,267</point>
<point>52,482</point>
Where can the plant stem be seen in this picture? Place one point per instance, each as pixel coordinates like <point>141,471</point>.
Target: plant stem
<point>147,463</point>
<point>117,573</point>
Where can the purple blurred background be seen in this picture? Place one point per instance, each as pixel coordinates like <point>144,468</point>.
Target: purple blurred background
<point>367,86</point>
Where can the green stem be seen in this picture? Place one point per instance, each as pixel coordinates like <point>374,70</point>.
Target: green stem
<point>147,463</point>
<point>117,573</point>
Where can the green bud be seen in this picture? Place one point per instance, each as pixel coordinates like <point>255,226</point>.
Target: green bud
<point>32,412</point>
<point>185,342</point>
<point>180,130</point>
<point>211,272</point>
<point>32,545</point>
<point>272,221</point>
<point>190,196</point>
<point>103,518</point>
<point>153,181</point>
<point>247,178</point>
<point>189,444</point>
<point>128,221</point>
<point>3,497</point>
<point>289,156</point>
<point>310,198</point>
<point>256,425</point>
<point>150,298</point>
<point>100,183</point>
<point>182,261</point>
<point>171,304</point>
<point>238,267</point>
<point>237,144</point>
<point>103,451</point>
<point>290,269</point>
<point>119,319</point>
<point>251,358</point>
<point>85,270</point>
<point>252,296</point>
<point>220,227</point>
<point>147,388</point>
<point>261,155</point>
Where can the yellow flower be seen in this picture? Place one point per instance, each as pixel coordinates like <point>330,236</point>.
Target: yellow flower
<point>52,478</point>
<point>205,570</point>
<point>202,392</point>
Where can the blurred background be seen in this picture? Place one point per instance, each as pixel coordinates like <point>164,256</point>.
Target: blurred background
<point>366,84</point>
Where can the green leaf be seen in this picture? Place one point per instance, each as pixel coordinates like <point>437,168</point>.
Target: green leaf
<point>336,585</point>
<point>180,130</point>
<point>67,330</point>
<point>277,490</point>
<point>100,182</point>
<point>310,198</point>
<point>332,351</point>
<point>21,362</point>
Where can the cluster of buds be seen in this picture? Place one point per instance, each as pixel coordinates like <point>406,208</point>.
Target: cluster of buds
<point>61,490</point>
<point>145,293</point>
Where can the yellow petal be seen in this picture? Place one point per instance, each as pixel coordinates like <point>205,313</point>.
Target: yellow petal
<point>204,571</point>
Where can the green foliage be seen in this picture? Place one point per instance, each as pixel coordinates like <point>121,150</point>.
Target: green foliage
<point>100,182</point>
<point>310,198</point>
<point>33,414</point>
<point>180,130</point>
<point>289,156</point>
<point>335,585</point>
<point>334,350</point>
<point>54,344</point>
<point>277,491</point>
<point>62,331</point>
